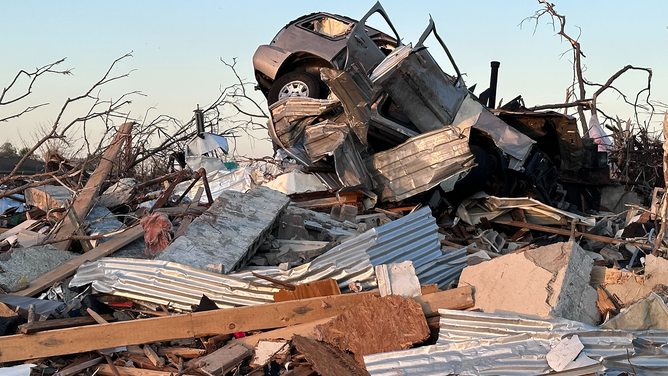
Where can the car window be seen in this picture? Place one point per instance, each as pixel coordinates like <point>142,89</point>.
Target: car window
<point>328,26</point>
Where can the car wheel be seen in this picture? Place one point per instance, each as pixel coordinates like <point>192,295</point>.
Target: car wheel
<point>295,84</point>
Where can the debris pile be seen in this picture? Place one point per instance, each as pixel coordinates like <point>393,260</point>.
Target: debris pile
<point>402,228</point>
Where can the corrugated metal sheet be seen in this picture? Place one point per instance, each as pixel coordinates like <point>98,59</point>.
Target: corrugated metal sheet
<point>413,237</point>
<point>169,283</point>
<point>477,343</point>
<point>514,355</point>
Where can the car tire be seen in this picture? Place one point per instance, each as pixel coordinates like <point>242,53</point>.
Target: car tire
<point>300,83</point>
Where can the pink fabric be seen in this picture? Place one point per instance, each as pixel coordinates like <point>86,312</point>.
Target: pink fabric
<point>157,233</point>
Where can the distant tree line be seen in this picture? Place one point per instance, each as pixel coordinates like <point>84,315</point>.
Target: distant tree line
<point>7,150</point>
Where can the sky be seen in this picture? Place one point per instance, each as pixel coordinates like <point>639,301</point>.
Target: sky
<point>177,47</point>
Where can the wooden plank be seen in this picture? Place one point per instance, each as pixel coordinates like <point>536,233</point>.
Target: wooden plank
<point>84,201</point>
<point>223,360</point>
<point>40,326</point>
<point>182,352</point>
<point>72,369</point>
<point>202,324</point>
<point>67,269</point>
<point>105,370</point>
<point>604,304</point>
<point>74,220</point>
<point>324,287</point>
<point>153,357</point>
<point>168,192</point>
<point>193,325</point>
<point>565,232</point>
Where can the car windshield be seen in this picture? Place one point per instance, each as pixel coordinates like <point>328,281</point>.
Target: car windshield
<point>328,26</point>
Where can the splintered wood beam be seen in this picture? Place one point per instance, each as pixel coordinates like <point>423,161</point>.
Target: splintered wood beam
<point>84,201</point>
<point>203,324</point>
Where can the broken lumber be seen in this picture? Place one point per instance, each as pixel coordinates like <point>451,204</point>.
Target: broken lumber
<point>106,370</point>
<point>84,201</point>
<point>67,269</point>
<point>202,324</point>
<point>565,232</point>
<point>324,287</point>
<point>326,359</point>
<point>40,326</point>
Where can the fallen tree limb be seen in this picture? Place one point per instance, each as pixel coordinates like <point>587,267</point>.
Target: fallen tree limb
<point>200,324</point>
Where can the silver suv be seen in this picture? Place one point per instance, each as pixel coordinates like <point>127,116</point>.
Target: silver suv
<point>290,65</point>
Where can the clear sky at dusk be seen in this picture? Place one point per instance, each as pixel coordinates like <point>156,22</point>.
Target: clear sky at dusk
<point>177,46</point>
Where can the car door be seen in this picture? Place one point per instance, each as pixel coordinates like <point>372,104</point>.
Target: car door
<point>363,50</point>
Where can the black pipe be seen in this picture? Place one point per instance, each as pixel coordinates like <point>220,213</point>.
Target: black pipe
<point>493,80</point>
<point>199,120</point>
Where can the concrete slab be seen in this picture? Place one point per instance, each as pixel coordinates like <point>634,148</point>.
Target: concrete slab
<point>550,281</point>
<point>228,234</point>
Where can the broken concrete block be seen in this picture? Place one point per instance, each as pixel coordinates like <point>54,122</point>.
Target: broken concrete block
<point>398,279</point>
<point>228,234</point>
<point>344,213</point>
<point>549,281</point>
<point>289,256</point>
<point>47,197</point>
<point>292,227</point>
<point>611,255</point>
<point>376,325</point>
<point>307,250</point>
<point>630,290</point>
<point>30,263</point>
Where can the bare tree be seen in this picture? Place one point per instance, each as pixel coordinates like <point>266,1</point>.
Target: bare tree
<point>32,77</point>
<point>99,109</point>
<point>579,81</point>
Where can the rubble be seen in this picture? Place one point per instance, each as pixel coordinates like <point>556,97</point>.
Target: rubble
<point>403,226</point>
